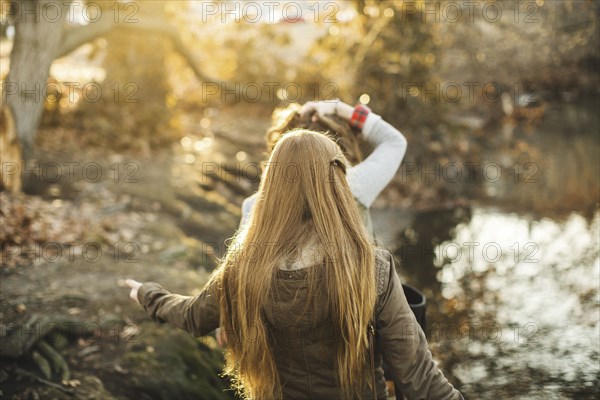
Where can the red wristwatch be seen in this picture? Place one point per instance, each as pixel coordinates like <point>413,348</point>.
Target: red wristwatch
<point>359,116</point>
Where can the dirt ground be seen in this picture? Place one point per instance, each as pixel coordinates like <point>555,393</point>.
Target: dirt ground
<point>158,216</point>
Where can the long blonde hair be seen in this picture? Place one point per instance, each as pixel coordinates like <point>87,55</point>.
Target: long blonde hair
<point>303,195</point>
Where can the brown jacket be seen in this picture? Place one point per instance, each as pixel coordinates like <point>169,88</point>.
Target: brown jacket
<point>303,342</point>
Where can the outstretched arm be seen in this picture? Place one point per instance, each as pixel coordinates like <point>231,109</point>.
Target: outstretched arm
<point>199,315</point>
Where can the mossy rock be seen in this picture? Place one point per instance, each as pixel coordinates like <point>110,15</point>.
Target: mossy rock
<point>177,367</point>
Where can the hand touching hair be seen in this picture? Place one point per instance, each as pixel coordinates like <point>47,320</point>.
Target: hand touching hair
<point>338,129</point>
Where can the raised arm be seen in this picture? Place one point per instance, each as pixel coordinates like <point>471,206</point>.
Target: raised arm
<point>198,315</point>
<point>368,178</point>
<point>405,348</point>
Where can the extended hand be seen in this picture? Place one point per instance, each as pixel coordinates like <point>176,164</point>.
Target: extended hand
<point>135,286</point>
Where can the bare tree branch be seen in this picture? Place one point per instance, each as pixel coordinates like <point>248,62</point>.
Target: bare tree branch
<point>75,37</point>
<point>159,26</point>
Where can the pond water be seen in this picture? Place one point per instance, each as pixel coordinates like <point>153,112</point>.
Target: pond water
<point>513,283</point>
<point>513,302</point>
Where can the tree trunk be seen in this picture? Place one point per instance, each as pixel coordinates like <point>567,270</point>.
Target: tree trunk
<point>10,152</point>
<point>38,31</point>
<point>40,37</point>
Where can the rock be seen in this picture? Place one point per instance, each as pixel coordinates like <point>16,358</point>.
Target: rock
<point>180,367</point>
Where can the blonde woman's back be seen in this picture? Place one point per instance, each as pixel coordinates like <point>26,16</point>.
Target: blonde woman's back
<point>303,333</point>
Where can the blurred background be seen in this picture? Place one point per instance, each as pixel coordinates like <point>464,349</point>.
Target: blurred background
<point>132,130</point>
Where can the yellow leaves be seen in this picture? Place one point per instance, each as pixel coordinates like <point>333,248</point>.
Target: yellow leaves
<point>71,382</point>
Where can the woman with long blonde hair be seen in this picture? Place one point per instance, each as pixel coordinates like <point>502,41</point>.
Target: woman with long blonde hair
<point>307,332</point>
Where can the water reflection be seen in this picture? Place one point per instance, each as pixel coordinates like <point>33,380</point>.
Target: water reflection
<point>549,170</point>
<point>513,302</point>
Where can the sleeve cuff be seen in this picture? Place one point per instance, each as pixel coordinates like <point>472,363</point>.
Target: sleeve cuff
<point>145,289</point>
